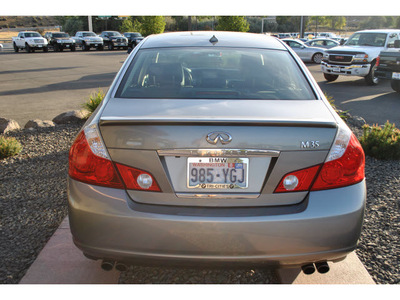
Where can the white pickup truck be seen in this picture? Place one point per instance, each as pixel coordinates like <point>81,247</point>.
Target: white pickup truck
<point>357,57</point>
<point>30,41</point>
<point>87,40</point>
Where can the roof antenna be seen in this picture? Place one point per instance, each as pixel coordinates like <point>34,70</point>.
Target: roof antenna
<point>213,40</point>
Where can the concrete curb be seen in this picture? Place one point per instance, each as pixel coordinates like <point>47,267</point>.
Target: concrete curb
<point>61,262</point>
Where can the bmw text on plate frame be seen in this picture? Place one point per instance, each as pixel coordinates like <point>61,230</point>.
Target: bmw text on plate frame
<point>216,150</point>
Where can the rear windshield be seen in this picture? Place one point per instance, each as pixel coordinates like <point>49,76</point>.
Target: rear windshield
<point>217,73</point>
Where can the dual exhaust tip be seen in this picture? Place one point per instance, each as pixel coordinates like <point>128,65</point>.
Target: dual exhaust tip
<point>108,265</point>
<point>322,267</point>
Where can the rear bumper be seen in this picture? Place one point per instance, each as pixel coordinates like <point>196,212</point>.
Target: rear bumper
<point>350,70</point>
<point>106,223</point>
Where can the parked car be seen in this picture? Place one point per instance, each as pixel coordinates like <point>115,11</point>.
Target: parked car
<point>87,40</point>
<point>306,53</point>
<point>60,41</point>
<point>357,57</point>
<point>388,66</point>
<point>242,162</point>
<point>322,43</point>
<point>29,41</point>
<point>1,47</point>
<point>114,40</point>
<point>329,35</point>
<point>134,38</point>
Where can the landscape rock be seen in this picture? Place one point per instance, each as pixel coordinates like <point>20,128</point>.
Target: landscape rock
<point>356,121</point>
<point>8,125</point>
<point>39,124</point>
<point>74,116</point>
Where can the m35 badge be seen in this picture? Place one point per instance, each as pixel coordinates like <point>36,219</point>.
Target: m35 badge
<point>309,144</point>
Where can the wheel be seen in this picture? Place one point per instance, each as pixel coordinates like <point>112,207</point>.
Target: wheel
<point>61,49</point>
<point>110,46</point>
<point>85,47</point>
<point>73,48</point>
<point>100,48</point>
<point>45,49</point>
<point>395,84</point>
<point>317,58</point>
<point>16,49</point>
<point>330,77</point>
<point>27,48</point>
<point>56,48</point>
<point>371,79</point>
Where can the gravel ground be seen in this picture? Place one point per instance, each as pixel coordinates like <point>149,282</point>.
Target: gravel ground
<point>33,202</point>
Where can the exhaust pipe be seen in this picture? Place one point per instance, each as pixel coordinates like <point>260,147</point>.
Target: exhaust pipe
<point>119,266</point>
<point>107,265</point>
<point>322,267</point>
<point>308,269</point>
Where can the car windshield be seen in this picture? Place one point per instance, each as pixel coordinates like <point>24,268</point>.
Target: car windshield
<point>60,35</point>
<point>32,34</point>
<point>367,39</point>
<point>114,33</point>
<point>218,73</point>
<point>88,34</point>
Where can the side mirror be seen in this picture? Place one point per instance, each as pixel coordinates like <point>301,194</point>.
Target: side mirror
<point>397,43</point>
<point>342,41</point>
<point>129,50</point>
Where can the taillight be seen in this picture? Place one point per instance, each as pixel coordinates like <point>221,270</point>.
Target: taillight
<point>89,162</point>
<point>87,167</point>
<point>136,179</point>
<point>346,170</point>
<point>344,166</point>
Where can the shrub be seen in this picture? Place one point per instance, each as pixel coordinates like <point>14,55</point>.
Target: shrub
<point>381,143</point>
<point>233,23</point>
<point>95,99</point>
<point>9,146</point>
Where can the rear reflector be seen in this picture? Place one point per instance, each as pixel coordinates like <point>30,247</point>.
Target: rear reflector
<point>305,178</point>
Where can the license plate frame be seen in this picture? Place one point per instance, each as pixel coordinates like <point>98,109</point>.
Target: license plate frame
<point>226,173</point>
<point>396,75</point>
<point>336,70</point>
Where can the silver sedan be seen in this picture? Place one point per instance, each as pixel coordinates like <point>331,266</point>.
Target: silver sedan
<point>322,43</point>
<point>216,147</point>
<point>306,53</point>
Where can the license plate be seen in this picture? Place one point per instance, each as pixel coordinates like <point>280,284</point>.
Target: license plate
<point>95,45</point>
<point>396,75</point>
<point>40,46</point>
<point>336,70</point>
<point>217,172</point>
<point>67,46</point>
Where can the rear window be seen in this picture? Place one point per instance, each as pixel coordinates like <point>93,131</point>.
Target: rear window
<point>217,73</point>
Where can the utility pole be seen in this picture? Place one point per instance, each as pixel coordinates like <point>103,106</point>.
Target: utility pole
<point>301,26</point>
<point>90,25</point>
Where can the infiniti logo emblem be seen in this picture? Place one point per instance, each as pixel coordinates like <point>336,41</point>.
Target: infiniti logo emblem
<point>214,137</point>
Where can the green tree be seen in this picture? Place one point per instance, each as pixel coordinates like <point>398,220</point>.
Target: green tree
<point>152,25</point>
<point>336,22</point>
<point>233,23</point>
<point>126,26</point>
<point>73,24</point>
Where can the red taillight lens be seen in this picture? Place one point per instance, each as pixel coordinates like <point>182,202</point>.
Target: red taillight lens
<point>89,168</point>
<point>378,61</point>
<point>305,178</point>
<point>136,179</point>
<point>346,170</point>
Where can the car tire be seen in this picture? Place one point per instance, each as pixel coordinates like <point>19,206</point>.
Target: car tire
<point>100,48</point>
<point>85,47</point>
<point>45,49</point>
<point>331,77</point>
<point>317,58</point>
<point>16,49</point>
<point>110,46</point>
<point>395,84</point>
<point>371,79</point>
<point>73,48</point>
<point>27,48</point>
